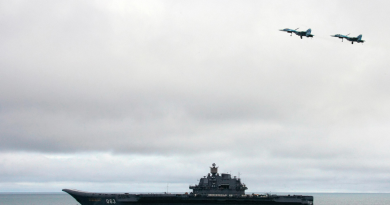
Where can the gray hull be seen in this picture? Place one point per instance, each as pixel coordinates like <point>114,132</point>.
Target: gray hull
<point>88,198</point>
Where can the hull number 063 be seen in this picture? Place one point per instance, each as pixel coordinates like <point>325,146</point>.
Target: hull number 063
<point>110,201</point>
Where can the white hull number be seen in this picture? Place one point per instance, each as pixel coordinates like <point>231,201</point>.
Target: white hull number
<point>110,201</point>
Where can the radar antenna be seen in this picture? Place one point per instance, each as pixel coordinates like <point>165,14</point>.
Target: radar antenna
<point>214,169</point>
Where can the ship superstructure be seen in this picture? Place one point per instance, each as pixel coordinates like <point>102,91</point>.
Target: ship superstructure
<point>215,183</point>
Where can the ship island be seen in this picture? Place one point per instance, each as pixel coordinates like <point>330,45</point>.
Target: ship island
<point>215,188</point>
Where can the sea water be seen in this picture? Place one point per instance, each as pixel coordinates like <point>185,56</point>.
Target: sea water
<point>351,199</point>
<point>319,199</point>
<point>36,199</point>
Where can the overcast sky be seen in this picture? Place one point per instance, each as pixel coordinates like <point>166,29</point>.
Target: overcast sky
<point>133,95</point>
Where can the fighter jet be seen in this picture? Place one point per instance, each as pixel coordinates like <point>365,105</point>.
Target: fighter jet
<point>298,33</point>
<point>352,39</point>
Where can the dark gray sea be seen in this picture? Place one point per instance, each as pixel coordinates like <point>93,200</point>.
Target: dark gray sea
<point>319,199</point>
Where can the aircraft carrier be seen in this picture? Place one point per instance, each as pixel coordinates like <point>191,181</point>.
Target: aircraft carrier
<point>212,189</point>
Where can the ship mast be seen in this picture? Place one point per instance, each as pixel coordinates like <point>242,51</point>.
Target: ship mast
<point>213,169</point>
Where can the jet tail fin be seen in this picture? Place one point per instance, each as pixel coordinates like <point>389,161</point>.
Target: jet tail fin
<point>359,38</point>
<point>308,32</point>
